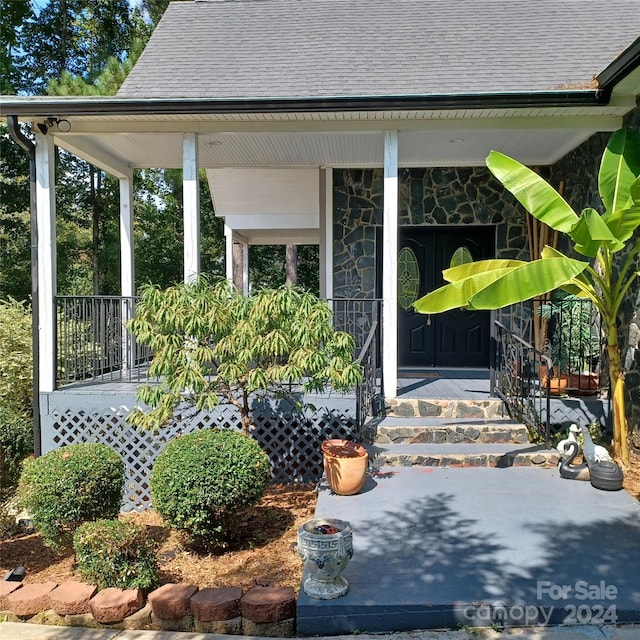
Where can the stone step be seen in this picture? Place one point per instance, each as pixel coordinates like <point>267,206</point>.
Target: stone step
<point>439,408</point>
<point>461,455</point>
<point>392,430</point>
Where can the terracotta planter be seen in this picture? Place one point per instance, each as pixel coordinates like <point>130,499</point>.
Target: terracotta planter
<point>345,466</point>
<point>558,384</point>
<point>584,383</point>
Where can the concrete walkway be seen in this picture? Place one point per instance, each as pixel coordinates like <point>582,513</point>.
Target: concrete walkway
<point>18,631</point>
<point>451,547</point>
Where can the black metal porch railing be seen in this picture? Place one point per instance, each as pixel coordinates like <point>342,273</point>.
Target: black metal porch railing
<point>361,318</point>
<point>519,384</point>
<point>570,333</point>
<point>93,343</point>
<point>557,349</point>
<point>369,389</point>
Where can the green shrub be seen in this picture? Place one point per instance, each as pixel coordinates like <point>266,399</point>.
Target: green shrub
<point>16,443</point>
<point>202,481</point>
<point>16,380</point>
<point>115,553</point>
<point>69,486</point>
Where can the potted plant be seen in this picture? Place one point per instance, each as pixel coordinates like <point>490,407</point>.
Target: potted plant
<point>573,345</point>
<point>345,466</point>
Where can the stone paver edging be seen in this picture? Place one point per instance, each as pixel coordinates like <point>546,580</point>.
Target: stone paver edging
<point>267,611</point>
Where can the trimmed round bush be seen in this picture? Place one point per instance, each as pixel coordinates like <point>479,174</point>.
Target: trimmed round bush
<point>16,443</point>
<point>115,553</point>
<point>70,486</point>
<point>202,481</point>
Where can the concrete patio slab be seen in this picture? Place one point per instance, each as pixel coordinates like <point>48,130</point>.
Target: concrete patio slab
<point>443,547</point>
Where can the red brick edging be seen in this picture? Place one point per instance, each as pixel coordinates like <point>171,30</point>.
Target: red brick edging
<point>266,611</point>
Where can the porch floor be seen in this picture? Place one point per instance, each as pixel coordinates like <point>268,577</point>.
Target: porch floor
<point>449,547</point>
<point>444,384</point>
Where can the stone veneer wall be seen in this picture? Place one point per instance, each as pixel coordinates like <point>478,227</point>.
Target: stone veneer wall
<point>469,196</point>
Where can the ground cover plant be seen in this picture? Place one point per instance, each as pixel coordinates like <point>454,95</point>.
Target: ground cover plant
<point>115,553</point>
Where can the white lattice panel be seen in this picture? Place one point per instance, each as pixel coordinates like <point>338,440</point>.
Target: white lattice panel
<point>291,439</point>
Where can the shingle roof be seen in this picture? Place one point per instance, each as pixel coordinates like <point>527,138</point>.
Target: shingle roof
<point>323,48</point>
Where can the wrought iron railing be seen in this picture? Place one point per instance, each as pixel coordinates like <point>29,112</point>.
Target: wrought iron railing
<point>520,383</point>
<point>570,333</point>
<point>356,316</point>
<point>93,342</point>
<point>369,390</point>
<point>361,318</point>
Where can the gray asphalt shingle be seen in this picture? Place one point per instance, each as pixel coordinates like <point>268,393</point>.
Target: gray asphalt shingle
<point>312,48</point>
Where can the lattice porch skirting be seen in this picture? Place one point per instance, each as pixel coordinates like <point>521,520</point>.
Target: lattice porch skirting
<point>291,439</point>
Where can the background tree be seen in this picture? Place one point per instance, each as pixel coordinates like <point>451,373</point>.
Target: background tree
<point>14,69</point>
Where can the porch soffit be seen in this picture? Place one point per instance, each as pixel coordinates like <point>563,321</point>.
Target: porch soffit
<point>534,134</point>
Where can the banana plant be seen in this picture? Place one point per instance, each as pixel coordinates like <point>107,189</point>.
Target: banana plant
<point>603,277</point>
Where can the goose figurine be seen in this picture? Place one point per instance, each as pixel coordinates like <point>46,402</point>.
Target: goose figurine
<point>605,473</point>
<point>563,444</point>
<point>567,468</point>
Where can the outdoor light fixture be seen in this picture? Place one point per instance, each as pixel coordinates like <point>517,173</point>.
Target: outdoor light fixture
<point>63,126</point>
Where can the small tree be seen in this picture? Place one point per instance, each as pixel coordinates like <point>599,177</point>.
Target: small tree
<point>211,345</point>
<point>603,278</point>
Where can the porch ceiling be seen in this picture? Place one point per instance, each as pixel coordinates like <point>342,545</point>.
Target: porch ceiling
<point>426,143</point>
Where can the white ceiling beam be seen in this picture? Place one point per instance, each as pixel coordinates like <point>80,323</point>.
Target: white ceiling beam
<point>95,156</point>
<point>272,221</point>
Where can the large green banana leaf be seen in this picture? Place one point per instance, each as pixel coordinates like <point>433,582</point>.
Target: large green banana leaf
<point>591,232</point>
<point>619,169</point>
<point>635,192</point>
<point>461,271</point>
<point>532,280</point>
<point>535,194</point>
<point>458,293</point>
<point>624,222</point>
<point>500,287</point>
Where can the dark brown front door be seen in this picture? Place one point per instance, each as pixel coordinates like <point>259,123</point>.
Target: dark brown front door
<point>457,338</point>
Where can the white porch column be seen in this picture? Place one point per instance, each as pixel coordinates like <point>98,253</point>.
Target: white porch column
<point>127,266</point>
<point>191,205</point>
<point>245,267</point>
<point>326,233</point>
<point>46,214</point>
<point>390,266</point>
<point>127,269</point>
<point>228,253</point>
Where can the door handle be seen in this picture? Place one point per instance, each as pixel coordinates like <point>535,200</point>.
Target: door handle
<point>428,320</point>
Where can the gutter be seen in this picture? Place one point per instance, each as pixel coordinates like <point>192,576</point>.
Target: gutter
<point>30,148</point>
<point>121,106</point>
<point>627,62</point>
